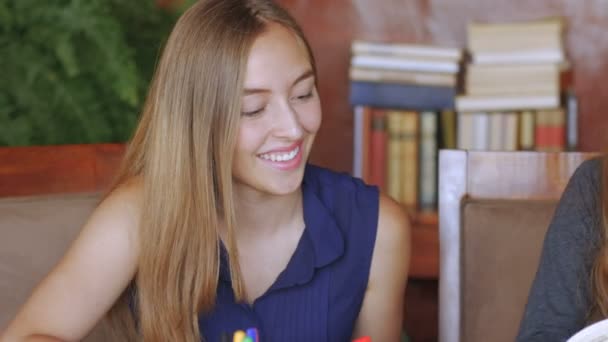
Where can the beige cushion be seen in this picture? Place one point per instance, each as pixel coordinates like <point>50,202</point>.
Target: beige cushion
<point>34,233</point>
<point>502,242</point>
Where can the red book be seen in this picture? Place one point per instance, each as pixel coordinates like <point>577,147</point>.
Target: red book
<point>550,130</point>
<point>367,128</point>
<point>377,149</point>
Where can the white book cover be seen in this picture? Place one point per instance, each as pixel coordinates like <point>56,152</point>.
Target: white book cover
<point>358,142</point>
<point>469,103</point>
<point>597,332</point>
<point>550,25</point>
<point>402,76</point>
<point>401,63</point>
<point>511,123</point>
<point>496,132</point>
<point>465,131</point>
<point>526,130</point>
<point>428,159</point>
<point>481,131</point>
<point>572,125</point>
<point>520,57</point>
<point>409,50</point>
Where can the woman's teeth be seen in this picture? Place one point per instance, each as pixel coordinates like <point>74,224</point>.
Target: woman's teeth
<point>284,156</point>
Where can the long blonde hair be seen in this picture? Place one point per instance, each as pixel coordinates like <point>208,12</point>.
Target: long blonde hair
<point>182,149</point>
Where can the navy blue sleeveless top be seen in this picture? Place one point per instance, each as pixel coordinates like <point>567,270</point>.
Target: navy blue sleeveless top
<point>318,296</point>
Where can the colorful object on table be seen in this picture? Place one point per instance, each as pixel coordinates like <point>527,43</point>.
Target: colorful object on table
<point>363,339</point>
<point>239,336</point>
<point>253,334</point>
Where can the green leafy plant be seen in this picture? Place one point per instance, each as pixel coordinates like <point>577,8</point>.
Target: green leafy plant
<point>76,71</point>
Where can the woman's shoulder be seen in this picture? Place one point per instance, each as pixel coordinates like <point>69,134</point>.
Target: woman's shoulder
<point>127,197</point>
<point>584,187</point>
<point>579,210</point>
<point>342,182</point>
<point>129,193</point>
<point>589,172</point>
<point>353,204</point>
<point>122,206</point>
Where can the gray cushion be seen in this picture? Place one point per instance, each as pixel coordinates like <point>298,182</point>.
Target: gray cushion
<point>34,233</point>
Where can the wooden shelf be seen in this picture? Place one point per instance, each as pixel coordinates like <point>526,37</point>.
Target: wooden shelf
<point>424,262</point>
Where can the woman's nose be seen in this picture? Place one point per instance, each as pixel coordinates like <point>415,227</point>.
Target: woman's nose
<point>287,123</point>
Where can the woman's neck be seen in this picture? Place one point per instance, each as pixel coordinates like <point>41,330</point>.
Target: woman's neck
<point>259,214</point>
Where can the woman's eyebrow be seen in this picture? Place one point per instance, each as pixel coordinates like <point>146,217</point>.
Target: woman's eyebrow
<point>305,75</point>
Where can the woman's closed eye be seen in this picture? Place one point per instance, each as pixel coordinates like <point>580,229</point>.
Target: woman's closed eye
<point>305,96</point>
<point>253,112</point>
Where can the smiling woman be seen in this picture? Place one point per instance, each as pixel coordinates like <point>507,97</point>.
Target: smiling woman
<point>217,222</point>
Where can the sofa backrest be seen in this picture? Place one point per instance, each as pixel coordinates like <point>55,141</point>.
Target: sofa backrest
<point>34,233</point>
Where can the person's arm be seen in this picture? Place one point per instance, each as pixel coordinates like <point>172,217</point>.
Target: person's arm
<point>82,287</point>
<point>381,315</point>
<point>558,301</point>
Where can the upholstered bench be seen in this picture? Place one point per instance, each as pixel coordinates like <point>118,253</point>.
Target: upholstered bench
<point>34,233</point>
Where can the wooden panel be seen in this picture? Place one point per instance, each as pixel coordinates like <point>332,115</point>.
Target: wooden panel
<point>57,169</point>
<point>421,310</point>
<point>520,175</point>
<point>331,25</point>
<point>107,160</point>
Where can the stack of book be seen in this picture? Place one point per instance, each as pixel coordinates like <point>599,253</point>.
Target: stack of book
<point>403,98</point>
<point>515,86</point>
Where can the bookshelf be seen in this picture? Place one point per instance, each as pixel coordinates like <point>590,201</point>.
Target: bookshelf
<point>403,107</point>
<point>332,25</point>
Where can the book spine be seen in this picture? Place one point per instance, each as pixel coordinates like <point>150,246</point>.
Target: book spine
<point>402,77</point>
<point>465,131</point>
<point>428,162</point>
<point>496,132</point>
<point>409,159</point>
<point>550,131</point>
<point>404,63</point>
<point>526,130</point>
<point>392,49</point>
<point>358,128</point>
<point>559,132</point>
<point>511,123</point>
<point>378,149</point>
<point>468,103</point>
<point>391,95</point>
<point>393,174</point>
<point>448,129</point>
<point>544,56</point>
<point>481,129</point>
<point>366,144</point>
<point>572,125</point>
